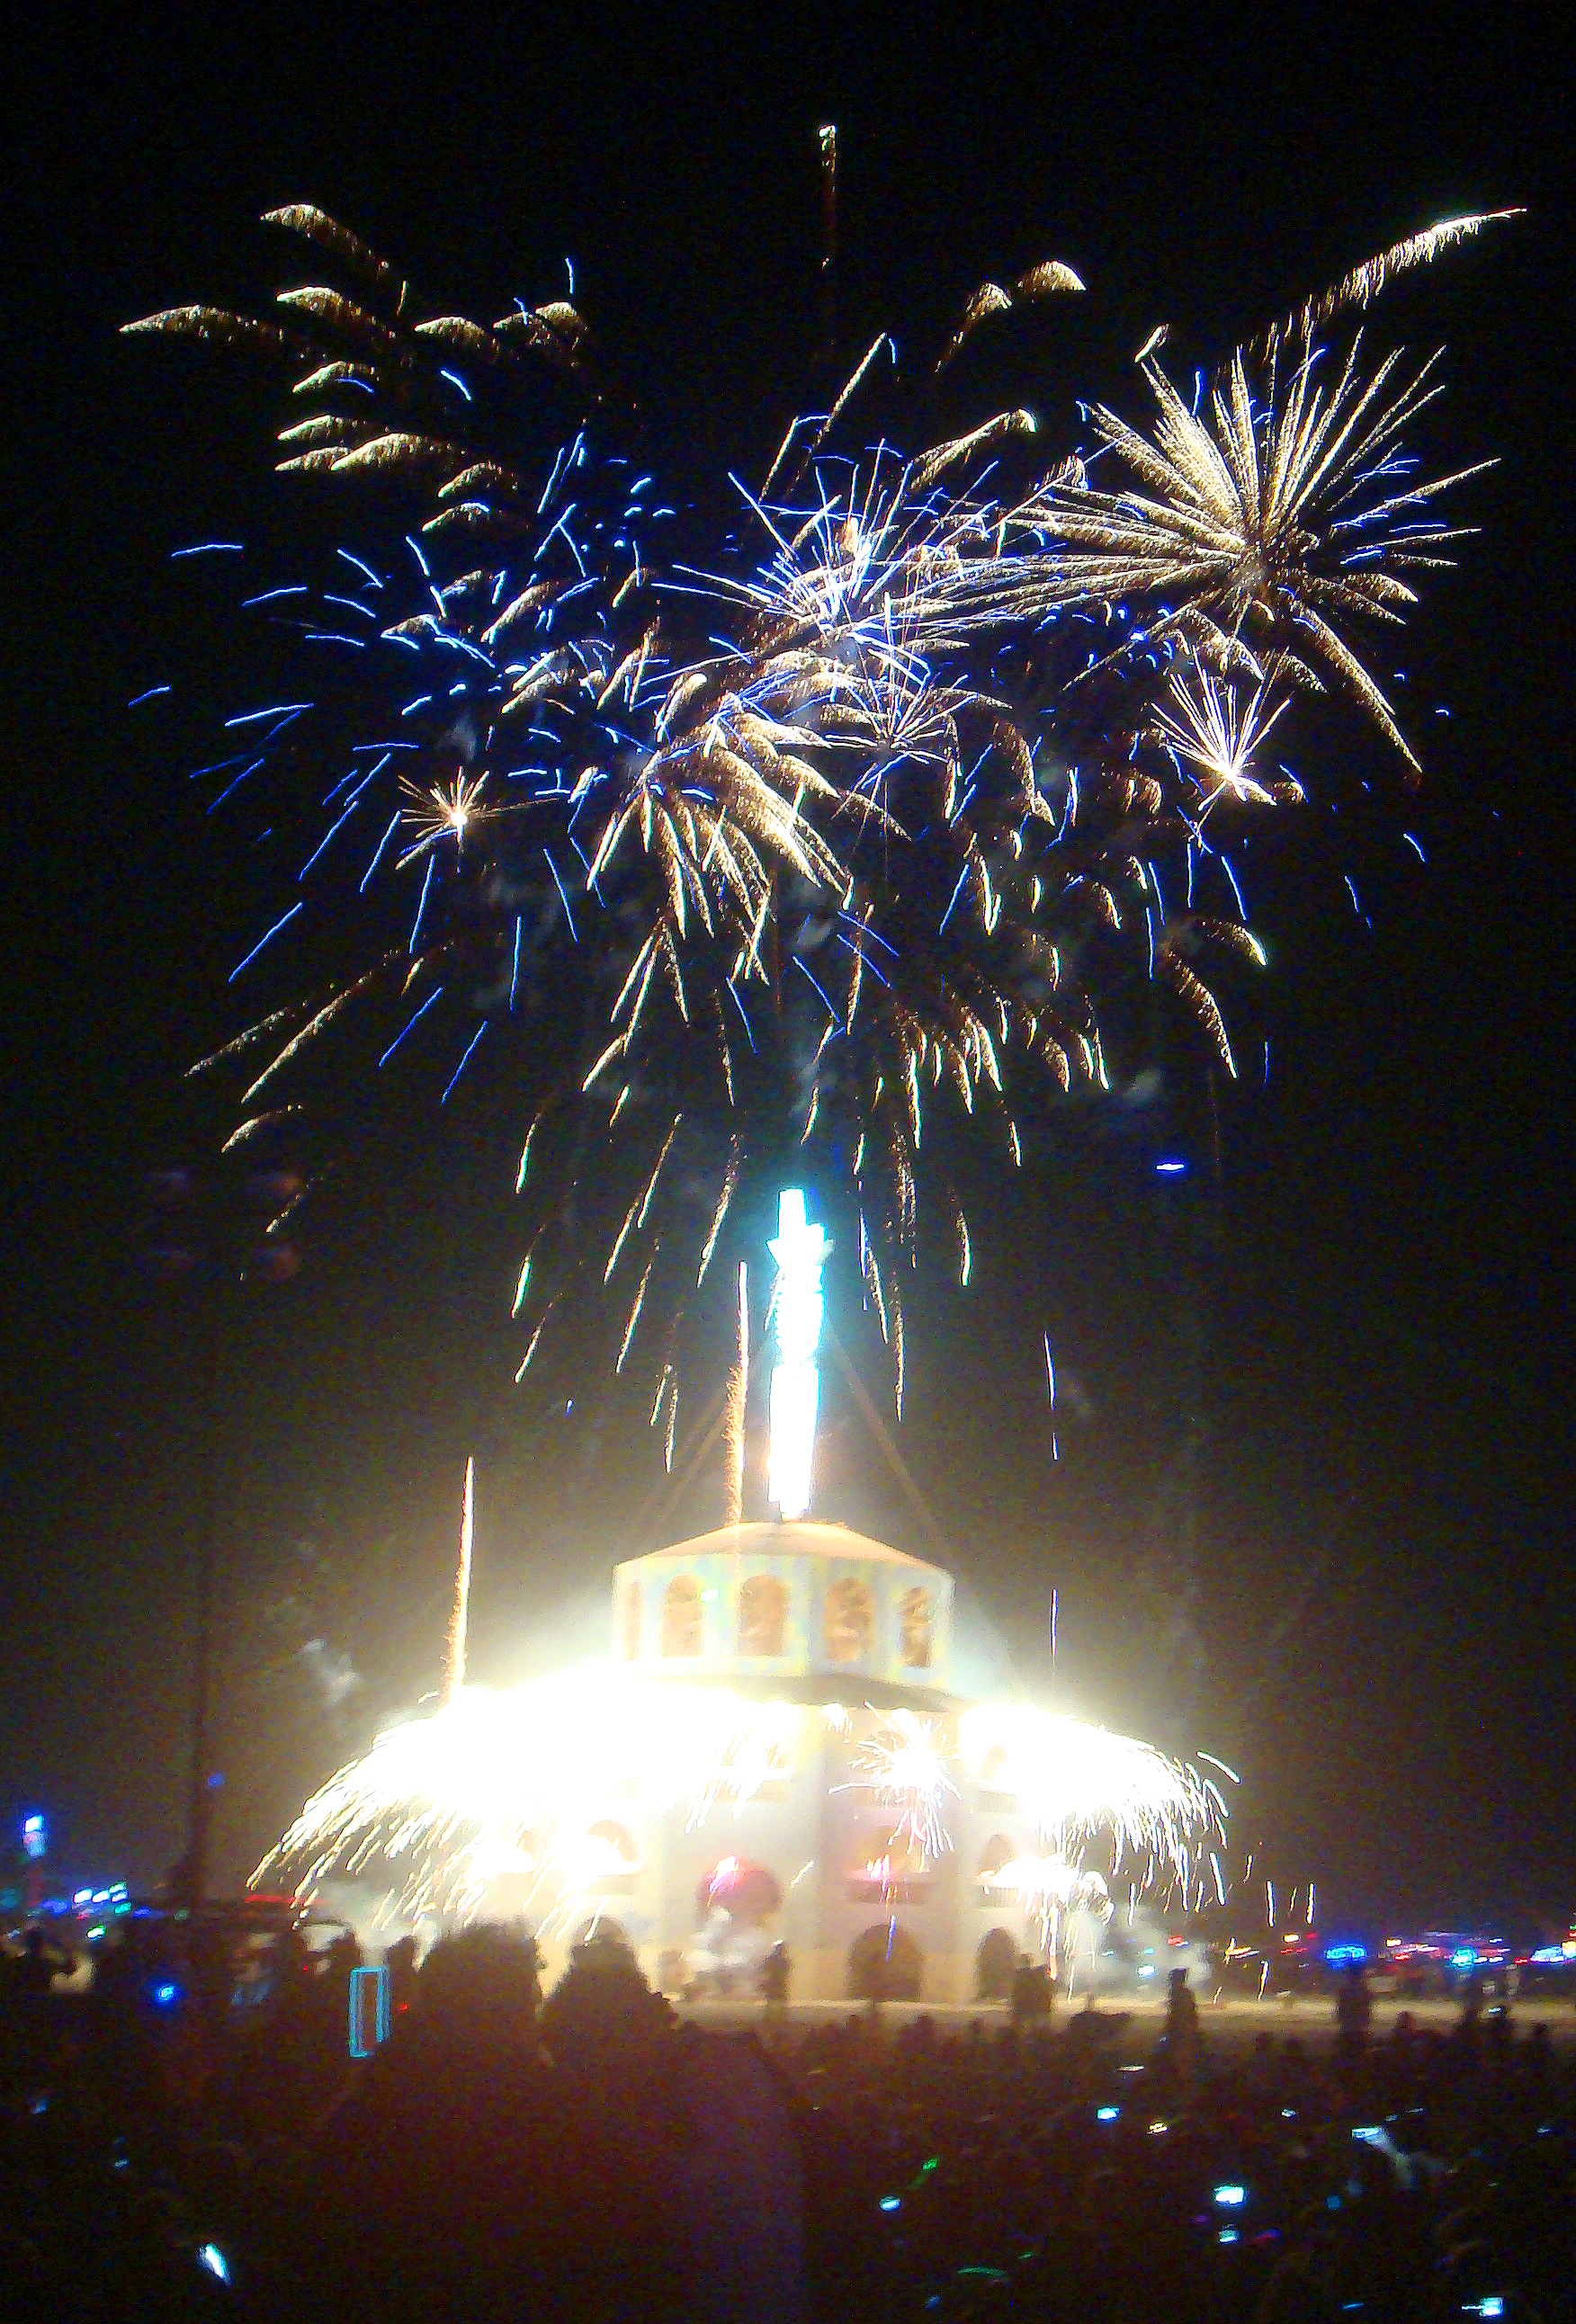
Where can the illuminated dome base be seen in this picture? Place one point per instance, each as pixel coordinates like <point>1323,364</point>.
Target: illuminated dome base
<point>774,1753</point>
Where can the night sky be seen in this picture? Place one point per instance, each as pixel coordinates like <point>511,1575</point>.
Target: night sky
<point>1310,1510</point>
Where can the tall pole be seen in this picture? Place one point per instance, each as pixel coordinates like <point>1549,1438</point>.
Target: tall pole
<point>738,1395</point>
<point>215,1241</point>
<point>828,136</point>
<point>207,1548</point>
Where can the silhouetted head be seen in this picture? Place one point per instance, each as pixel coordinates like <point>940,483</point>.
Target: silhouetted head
<point>602,2005</point>
<point>480,1987</point>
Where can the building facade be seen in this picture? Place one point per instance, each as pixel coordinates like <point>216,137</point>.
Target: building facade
<point>864,1813</point>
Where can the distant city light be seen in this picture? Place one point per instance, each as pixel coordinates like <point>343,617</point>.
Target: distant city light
<point>34,1836</point>
<point>210,2256</point>
<point>1170,1170</point>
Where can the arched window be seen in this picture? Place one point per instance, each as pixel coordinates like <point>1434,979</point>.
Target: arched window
<point>918,1621</point>
<point>683,1630</point>
<point>849,1622</point>
<point>631,1622</point>
<point>998,1792</point>
<point>762,1615</point>
<point>999,1850</point>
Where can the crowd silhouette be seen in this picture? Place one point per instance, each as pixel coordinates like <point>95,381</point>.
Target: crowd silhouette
<point>174,2145</point>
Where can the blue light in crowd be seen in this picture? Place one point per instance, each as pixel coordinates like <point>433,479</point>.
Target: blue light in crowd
<point>1170,1170</point>
<point>892,2202</point>
<point>167,1994</point>
<point>1107,2114</point>
<point>1230,2197</point>
<point>210,2256</point>
<point>1338,1954</point>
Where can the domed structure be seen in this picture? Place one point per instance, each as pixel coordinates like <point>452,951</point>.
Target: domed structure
<point>776,1752</point>
<point>779,1750</point>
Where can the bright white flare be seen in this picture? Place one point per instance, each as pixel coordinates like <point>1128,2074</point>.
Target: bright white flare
<point>542,1786</point>
<point>797,1307</point>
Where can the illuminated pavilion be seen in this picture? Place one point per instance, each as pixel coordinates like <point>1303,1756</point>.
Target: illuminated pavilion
<point>781,1747</point>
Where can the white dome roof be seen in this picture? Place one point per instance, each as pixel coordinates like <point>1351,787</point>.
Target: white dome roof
<point>799,1537</point>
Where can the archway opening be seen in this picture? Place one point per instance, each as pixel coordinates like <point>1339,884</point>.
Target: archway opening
<point>885,1964</point>
<point>995,1963</point>
<point>997,1854</point>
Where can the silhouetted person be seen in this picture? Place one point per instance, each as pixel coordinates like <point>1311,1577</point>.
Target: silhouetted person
<point>1354,2010</point>
<point>37,1970</point>
<point>1031,1991</point>
<point>288,1964</point>
<point>1180,2039</point>
<point>399,1961</point>
<point>776,1970</point>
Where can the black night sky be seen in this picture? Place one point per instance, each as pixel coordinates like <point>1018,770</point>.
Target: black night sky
<point>1310,1510</point>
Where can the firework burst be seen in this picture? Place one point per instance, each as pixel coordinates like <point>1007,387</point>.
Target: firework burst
<point>784,845</point>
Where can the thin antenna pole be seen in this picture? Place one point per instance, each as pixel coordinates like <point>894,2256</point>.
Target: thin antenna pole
<point>738,1394</point>
<point>828,136</point>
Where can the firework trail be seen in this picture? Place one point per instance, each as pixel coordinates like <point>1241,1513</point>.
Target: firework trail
<point>729,852</point>
<point>455,1672</point>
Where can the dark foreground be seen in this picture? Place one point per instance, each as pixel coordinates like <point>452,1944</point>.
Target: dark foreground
<point>594,2158</point>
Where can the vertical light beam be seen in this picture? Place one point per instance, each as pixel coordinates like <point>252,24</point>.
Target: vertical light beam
<point>797,1307</point>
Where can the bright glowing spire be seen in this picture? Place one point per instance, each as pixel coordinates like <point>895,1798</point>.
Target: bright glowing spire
<point>797,1307</point>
